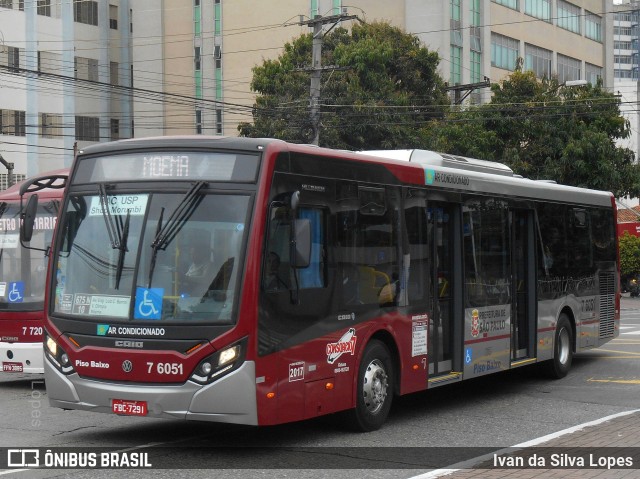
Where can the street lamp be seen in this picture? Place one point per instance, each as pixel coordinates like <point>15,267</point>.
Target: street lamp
<point>575,83</point>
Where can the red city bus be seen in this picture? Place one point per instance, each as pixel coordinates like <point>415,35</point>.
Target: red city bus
<point>254,281</point>
<point>23,271</point>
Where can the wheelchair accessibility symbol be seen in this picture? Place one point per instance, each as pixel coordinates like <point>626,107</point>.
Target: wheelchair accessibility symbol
<point>468,356</point>
<point>148,303</point>
<point>16,292</point>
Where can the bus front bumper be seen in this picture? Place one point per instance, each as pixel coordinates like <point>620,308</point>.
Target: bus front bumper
<point>231,399</point>
<point>22,358</point>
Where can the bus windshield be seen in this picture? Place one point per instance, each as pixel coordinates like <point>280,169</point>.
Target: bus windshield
<point>150,256</point>
<point>22,270</point>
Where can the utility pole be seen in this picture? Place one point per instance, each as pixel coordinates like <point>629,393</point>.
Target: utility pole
<point>468,88</point>
<point>316,68</point>
<point>9,167</point>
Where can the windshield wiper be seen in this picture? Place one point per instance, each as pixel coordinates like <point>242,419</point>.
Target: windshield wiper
<point>3,208</point>
<point>167,231</point>
<point>113,228</point>
<point>154,254</point>
<point>123,249</point>
<point>118,232</point>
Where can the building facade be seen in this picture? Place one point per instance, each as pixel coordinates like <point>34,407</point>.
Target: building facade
<point>626,44</point>
<point>65,71</point>
<point>77,71</point>
<point>214,44</point>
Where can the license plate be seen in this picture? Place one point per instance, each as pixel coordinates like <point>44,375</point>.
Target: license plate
<point>12,367</point>
<point>129,408</point>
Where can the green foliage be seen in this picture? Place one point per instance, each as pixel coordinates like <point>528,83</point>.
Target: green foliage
<point>629,254</point>
<point>545,130</point>
<point>460,134</point>
<point>385,90</point>
<point>387,94</point>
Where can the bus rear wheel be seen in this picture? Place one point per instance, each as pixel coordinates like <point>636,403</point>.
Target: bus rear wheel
<point>559,366</point>
<point>375,388</point>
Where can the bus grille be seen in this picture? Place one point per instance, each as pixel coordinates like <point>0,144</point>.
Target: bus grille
<point>607,304</point>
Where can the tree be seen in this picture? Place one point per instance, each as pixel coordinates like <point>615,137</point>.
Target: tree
<point>629,255</point>
<point>546,130</point>
<point>385,89</point>
<point>460,133</point>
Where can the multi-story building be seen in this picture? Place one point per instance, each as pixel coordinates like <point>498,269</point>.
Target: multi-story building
<point>208,47</point>
<point>65,76</point>
<point>95,70</point>
<point>626,44</point>
<point>626,49</point>
<point>625,41</point>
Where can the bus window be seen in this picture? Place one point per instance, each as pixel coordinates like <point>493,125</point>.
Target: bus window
<point>97,274</point>
<point>553,260</point>
<point>604,239</point>
<point>487,260</point>
<point>196,268</point>
<point>278,275</point>
<point>580,238</point>
<point>313,275</point>
<point>21,268</point>
<point>419,280</point>
<point>87,252</point>
<point>367,248</point>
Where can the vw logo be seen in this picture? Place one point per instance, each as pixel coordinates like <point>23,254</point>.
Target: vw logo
<point>127,366</point>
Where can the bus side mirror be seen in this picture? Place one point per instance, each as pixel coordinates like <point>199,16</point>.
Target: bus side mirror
<point>29,218</point>
<point>302,243</point>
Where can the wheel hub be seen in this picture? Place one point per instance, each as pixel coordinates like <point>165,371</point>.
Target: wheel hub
<point>375,387</point>
<point>563,346</point>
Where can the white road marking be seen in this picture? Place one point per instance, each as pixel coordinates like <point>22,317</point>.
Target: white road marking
<point>468,464</point>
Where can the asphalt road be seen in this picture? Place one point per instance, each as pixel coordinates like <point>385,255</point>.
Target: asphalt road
<point>496,411</point>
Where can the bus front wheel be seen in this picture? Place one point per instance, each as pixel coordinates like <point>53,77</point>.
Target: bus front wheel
<point>559,366</point>
<point>375,388</point>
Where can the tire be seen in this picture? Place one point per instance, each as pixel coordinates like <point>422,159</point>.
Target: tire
<point>559,366</point>
<point>375,389</point>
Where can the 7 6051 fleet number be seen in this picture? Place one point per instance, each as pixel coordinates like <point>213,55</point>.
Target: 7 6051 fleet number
<point>165,368</point>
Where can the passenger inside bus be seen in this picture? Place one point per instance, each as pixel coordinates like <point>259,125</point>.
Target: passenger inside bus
<point>200,268</point>
<point>363,284</point>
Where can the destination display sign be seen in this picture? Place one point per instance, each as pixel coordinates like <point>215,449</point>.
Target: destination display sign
<point>135,205</point>
<point>153,165</point>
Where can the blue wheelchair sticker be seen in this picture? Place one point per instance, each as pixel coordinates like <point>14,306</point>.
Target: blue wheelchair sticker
<point>468,355</point>
<point>15,294</point>
<point>148,303</point>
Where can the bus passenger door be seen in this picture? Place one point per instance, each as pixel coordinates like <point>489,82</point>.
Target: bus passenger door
<point>522,284</point>
<point>433,234</point>
<point>440,240</point>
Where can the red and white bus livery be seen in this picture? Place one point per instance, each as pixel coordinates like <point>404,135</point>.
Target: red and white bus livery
<point>258,282</point>
<point>23,269</point>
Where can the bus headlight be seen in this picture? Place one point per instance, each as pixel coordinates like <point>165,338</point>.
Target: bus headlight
<point>228,355</point>
<point>56,355</point>
<point>222,362</point>
<point>52,347</point>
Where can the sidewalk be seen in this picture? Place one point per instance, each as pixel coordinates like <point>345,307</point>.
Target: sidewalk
<point>590,444</point>
<point>627,302</point>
